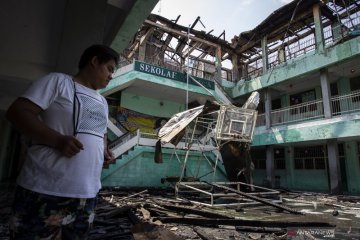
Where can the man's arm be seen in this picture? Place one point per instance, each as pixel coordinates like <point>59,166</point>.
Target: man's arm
<point>108,154</point>
<point>24,115</point>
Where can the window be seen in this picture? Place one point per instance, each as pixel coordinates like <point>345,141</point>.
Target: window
<point>261,107</point>
<point>276,104</point>
<point>303,97</point>
<point>309,163</point>
<point>258,157</point>
<point>279,158</point>
<point>334,89</point>
<point>354,87</point>
<point>319,163</point>
<point>355,83</point>
<point>312,157</point>
<point>335,105</point>
<point>299,164</point>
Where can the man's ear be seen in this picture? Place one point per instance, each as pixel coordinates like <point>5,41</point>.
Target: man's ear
<point>94,61</point>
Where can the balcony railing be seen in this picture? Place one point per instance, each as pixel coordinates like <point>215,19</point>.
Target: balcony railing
<point>300,112</point>
<point>260,120</point>
<point>332,34</point>
<point>343,104</point>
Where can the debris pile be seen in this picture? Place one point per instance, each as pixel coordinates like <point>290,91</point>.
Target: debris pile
<point>157,214</point>
<point>139,214</point>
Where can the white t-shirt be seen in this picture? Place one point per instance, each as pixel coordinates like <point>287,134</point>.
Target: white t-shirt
<point>45,169</point>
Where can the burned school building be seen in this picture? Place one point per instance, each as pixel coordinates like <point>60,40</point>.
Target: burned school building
<point>302,60</point>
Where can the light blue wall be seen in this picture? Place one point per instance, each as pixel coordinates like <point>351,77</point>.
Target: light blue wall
<point>352,167</point>
<point>142,171</point>
<point>349,126</point>
<point>150,106</point>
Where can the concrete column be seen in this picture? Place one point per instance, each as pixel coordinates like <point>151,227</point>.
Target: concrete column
<point>334,167</point>
<point>235,68</point>
<point>244,71</point>
<point>270,166</point>
<point>319,33</point>
<point>268,108</point>
<point>281,55</point>
<point>264,49</point>
<point>218,64</point>
<point>352,166</point>
<point>289,161</point>
<point>326,93</point>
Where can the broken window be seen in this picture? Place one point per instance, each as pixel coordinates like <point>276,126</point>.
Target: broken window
<point>354,87</point>
<point>314,157</point>
<point>258,157</point>
<point>279,158</point>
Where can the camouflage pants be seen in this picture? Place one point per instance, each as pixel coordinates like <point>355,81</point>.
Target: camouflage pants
<point>41,216</point>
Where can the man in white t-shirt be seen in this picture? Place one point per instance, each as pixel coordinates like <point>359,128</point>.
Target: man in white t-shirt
<point>66,119</point>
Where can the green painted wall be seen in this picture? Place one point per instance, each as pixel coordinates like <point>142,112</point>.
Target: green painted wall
<point>126,79</point>
<point>150,106</point>
<point>352,167</point>
<point>259,175</point>
<point>280,178</point>
<point>140,170</point>
<point>300,66</point>
<point>304,180</point>
<point>139,12</point>
<point>343,86</point>
<point>311,180</point>
<point>309,131</point>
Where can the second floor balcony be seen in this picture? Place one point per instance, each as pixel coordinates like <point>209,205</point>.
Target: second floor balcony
<point>340,105</point>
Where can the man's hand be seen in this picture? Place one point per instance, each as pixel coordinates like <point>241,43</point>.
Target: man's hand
<point>69,146</point>
<point>108,156</point>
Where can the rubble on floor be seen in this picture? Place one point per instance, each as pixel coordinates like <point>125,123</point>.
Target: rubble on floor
<point>157,214</point>
<point>141,214</point>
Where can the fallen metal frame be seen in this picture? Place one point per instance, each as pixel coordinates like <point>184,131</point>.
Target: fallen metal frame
<point>218,191</point>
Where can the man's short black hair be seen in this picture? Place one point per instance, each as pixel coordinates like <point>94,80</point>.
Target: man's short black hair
<point>102,52</point>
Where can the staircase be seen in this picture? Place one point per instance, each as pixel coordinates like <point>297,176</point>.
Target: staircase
<point>130,145</point>
<point>121,161</point>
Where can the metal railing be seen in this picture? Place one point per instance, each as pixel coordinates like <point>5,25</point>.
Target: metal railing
<point>332,34</point>
<point>345,103</point>
<point>260,120</point>
<point>195,69</point>
<point>137,138</point>
<point>300,47</point>
<point>296,113</point>
<point>342,104</point>
<point>299,112</point>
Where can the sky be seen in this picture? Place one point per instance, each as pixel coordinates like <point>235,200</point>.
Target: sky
<point>233,16</point>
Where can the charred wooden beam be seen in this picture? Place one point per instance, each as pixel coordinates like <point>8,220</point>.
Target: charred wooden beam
<point>141,42</point>
<point>260,229</point>
<point>116,212</point>
<point>183,34</point>
<point>239,222</point>
<point>193,211</point>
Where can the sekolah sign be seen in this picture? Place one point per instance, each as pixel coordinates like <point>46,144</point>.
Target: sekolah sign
<point>173,75</point>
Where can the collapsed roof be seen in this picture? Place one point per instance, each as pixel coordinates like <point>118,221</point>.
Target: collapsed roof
<point>284,26</point>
